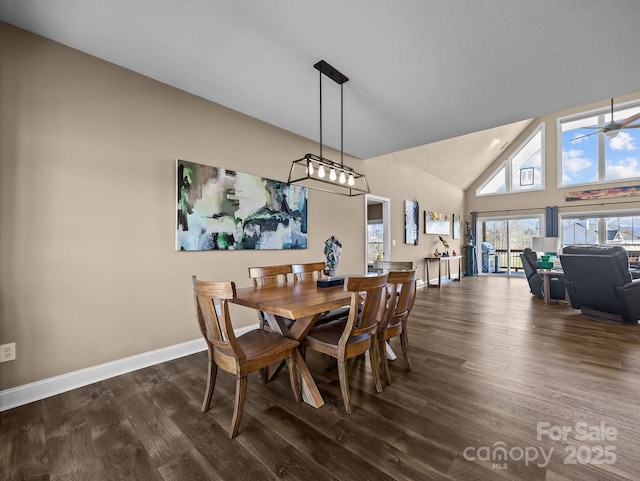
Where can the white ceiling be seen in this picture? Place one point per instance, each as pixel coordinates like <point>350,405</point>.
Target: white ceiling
<point>420,71</point>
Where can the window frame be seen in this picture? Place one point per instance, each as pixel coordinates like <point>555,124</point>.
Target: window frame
<point>507,165</point>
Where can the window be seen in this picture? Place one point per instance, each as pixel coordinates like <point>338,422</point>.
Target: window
<point>580,231</point>
<point>375,242</point>
<point>589,156</point>
<point>613,229</point>
<point>522,171</point>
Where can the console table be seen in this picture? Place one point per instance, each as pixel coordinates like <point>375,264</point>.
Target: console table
<point>440,260</point>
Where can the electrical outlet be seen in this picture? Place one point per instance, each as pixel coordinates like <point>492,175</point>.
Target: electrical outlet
<point>8,352</point>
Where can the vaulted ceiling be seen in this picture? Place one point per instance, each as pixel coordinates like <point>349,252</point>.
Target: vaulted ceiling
<point>420,71</point>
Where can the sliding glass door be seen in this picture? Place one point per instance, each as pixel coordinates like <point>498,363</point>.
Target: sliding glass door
<point>502,240</point>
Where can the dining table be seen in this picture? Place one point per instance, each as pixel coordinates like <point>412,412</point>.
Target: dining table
<point>291,309</point>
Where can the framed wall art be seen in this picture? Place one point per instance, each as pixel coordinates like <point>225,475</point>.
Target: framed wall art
<point>526,176</point>
<point>608,193</point>
<point>456,226</point>
<point>411,220</point>
<point>436,223</point>
<point>221,209</point>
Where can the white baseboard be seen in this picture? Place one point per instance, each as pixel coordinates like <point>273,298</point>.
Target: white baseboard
<point>35,391</point>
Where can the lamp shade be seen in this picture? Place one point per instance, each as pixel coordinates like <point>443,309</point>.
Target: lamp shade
<point>546,244</point>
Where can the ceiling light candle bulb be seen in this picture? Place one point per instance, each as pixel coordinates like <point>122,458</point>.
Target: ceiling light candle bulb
<point>351,180</point>
<point>321,171</point>
<point>332,174</point>
<point>310,168</point>
<point>342,177</point>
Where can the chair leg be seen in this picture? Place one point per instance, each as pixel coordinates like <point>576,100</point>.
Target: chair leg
<point>405,349</point>
<point>375,364</point>
<point>269,373</point>
<point>211,383</point>
<point>241,392</point>
<point>384,363</point>
<point>293,378</point>
<point>329,362</point>
<point>344,385</point>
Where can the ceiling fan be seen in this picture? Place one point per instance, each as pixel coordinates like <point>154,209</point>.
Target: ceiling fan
<point>613,128</point>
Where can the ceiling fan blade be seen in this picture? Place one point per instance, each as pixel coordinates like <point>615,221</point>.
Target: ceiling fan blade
<point>634,126</point>
<point>628,120</point>
<point>587,135</point>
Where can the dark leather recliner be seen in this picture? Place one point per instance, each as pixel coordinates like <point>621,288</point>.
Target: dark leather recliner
<point>530,264</point>
<point>599,282</point>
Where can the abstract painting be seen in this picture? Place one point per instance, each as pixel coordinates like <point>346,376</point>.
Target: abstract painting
<point>436,223</point>
<point>411,219</point>
<point>609,193</point>
<point>221,209</point>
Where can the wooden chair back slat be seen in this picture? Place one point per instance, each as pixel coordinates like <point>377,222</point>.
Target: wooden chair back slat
<point>386,266</point>
<point>401,286</point>
<point>308,272</point>
<point>212,308</point>
<point>270,275</point>
<point>364,319</point>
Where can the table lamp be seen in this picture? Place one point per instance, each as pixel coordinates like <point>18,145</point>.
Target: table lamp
<point>549,246</point>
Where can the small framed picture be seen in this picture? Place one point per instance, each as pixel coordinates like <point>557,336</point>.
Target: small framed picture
<point>456,226</point>
<point>411,218</point>
<point>526,176</point>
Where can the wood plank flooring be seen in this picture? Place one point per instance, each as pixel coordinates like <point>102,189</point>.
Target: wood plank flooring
<point>490,362</point>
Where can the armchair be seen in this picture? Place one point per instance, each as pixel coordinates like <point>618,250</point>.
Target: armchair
<point>599,282</point>
<point>530,264</point>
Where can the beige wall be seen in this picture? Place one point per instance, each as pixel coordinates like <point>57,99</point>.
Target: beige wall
<point>399,181</point>
<point>89,273</point>
<point>535,202</point>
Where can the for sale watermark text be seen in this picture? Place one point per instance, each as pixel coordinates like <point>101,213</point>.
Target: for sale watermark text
<point>597,447</point>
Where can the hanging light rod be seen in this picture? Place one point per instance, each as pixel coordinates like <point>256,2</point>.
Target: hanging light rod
<point>336,177</point>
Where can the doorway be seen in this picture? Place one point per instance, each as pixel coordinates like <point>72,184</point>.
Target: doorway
<point>377,231</point>
<point>502,240</point>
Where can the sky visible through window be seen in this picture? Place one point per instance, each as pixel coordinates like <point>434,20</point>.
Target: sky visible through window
<point>580,151</point>
<point>524,167</point>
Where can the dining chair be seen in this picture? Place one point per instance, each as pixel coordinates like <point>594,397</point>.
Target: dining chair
<point>386,266</point>
<point>311,271</point>
<point>401,286</point>
<point>270,275</point>
<point>239,355</point>
<point>346,339</point>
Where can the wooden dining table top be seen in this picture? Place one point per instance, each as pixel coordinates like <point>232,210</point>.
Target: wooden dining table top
<point>295,300</point>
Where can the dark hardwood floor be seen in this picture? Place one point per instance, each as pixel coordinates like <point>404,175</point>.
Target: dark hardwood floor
<point>493,367</point>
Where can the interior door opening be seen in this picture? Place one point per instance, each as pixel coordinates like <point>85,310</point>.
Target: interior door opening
<point>378,236</point>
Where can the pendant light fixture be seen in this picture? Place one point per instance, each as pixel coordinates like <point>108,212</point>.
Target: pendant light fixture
<point>317,172</point>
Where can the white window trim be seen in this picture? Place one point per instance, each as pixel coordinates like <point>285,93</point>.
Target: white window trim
<point>506,164</point>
